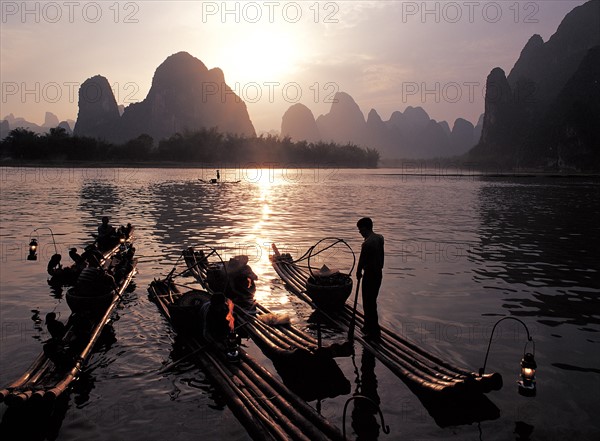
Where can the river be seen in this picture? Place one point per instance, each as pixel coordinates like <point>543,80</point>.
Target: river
<point>461,253</point>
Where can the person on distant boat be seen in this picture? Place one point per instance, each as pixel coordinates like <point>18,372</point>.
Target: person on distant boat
<point>54,264</point>
<point>106,233</point>
<point>124,265</point>
<point>218,175</point>
<point>55,348</point>
<point>370,270</point>
<point>76,257</point>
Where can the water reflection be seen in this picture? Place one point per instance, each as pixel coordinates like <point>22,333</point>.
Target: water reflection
<point>364,414</point>
<point>98,198</point>
<point>533,246</point>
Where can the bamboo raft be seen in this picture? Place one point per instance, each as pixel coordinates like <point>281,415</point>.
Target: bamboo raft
<point>65,276</point>
<point>267,408</point>
<point>292,350</point>
<point>47,379</point>
<point>421,370</point>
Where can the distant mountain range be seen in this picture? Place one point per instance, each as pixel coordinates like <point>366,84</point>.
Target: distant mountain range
<point>185,95</point>
<point>51,121</point>
<point>546,113</point>
<point>408,134</point>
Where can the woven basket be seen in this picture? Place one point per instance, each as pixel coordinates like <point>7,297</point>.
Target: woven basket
<point>329,293</point>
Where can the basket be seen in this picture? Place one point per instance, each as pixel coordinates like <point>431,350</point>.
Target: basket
<point>329,293</point>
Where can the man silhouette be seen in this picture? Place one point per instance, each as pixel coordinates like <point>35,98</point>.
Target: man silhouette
<point>370,270</point>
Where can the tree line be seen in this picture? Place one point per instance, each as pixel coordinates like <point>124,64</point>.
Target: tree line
<point>201,146</point>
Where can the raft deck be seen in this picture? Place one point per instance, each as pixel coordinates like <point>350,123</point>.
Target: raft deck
<point>411,363</point>
<point>285,345</point>
<point>267,408</point>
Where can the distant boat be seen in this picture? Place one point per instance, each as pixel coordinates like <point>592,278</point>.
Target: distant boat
<point>216,181</point>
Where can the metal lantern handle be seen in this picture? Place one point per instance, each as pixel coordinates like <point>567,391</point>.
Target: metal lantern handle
<point>529,339</point>
<point>336,241</point>
<point>35,230</point>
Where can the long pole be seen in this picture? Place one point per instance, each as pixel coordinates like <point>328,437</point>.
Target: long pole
<point>353,321</point>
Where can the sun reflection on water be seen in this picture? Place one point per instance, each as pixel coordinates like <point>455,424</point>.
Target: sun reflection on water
<point>261,236</point>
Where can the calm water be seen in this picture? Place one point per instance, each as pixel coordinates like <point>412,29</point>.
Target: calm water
<point>461,252</point>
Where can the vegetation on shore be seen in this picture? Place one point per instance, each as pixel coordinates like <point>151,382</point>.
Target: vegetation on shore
<point>203,146</point>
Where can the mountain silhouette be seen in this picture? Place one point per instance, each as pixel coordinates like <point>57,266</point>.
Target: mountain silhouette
<point>185,96</point>
<point>98,115</point>
<point>298,122</point>
<point>548,82</point>
<point>409,134</point>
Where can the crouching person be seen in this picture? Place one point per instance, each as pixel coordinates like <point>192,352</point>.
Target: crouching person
<point>219,324</point>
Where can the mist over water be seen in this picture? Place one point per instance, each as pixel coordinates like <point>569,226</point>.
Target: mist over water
<point>461,252</point>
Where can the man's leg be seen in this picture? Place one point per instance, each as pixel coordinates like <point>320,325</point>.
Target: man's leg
<point>370,291</point>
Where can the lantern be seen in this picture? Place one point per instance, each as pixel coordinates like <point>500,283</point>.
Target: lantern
<point>122,246</point>
<point>33,245</point>
<point>527,381</point>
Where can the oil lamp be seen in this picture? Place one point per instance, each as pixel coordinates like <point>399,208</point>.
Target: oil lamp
<point>527,384</point>
<point>527,381</point>
<point>33,243</point>
<point>122,240</point>
<point>32,250</point>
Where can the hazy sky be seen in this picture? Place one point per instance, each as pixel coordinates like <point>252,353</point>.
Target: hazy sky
<point>386,54</point>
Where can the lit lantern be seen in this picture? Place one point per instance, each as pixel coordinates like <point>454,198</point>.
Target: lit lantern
<point>527,381</point>
<point>122,241</point>
<point>33,245</point>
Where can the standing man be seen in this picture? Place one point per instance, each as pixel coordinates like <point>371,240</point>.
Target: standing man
<point>370,265</point>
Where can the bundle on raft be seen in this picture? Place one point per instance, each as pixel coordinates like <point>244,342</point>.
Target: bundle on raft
<point>67,351</point>
<point>93,255</point>
<point>414,365</point>
<point>306,368</point>
<point>243,383</point>
<point>328,288</point>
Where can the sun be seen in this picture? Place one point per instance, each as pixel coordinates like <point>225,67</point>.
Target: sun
<point>261,54</point>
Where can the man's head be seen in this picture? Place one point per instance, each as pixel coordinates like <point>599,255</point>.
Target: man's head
<point>365,226</point>
<point>105,219</point>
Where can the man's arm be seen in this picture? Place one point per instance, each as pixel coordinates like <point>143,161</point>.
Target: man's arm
<point>360,266</point>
